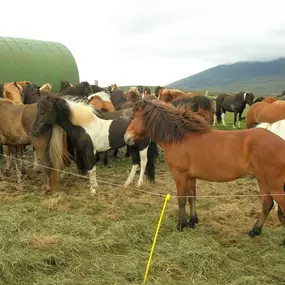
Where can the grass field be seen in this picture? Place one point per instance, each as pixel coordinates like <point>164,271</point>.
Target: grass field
<point>74,238</point>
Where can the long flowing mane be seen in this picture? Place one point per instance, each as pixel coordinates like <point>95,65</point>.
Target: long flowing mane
<point>163,122</point>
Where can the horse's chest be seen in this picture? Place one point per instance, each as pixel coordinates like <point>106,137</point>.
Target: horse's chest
<point>116,134</point>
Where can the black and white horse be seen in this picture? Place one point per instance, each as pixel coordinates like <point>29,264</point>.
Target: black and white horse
<point>90,134</point>
<point>232,103</point>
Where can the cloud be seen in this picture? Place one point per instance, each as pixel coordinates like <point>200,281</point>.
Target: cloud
<point>151,42</point>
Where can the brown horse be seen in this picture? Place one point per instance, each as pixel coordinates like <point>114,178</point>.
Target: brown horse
<point>168,95</point>
<point>262,112</point>
<point>200,104</point>
<point>13,92</point>
<point>193,151</point>
<point>15,127</point>
<point>270,100</point>
<point>98,103</point>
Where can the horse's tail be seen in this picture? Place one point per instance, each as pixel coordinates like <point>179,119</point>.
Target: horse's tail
<point>281,215</point>
<point>152,153</point>
<point>219,102</point>
<point>57,152</point>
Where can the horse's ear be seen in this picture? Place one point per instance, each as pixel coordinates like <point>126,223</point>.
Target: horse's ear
<point>15,83</point>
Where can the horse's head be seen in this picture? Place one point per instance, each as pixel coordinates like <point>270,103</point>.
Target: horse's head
<point>146,91</point>
<point>64,85</point>
<point>136,128</point>
<point>31,93</point>
<point>46,114</point>
<point>248,98</point>
<point>85,88</point>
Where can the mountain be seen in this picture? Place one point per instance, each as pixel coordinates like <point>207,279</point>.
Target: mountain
<point>257,77</point>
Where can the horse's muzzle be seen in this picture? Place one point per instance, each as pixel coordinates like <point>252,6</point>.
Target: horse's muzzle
<point>128,140</point>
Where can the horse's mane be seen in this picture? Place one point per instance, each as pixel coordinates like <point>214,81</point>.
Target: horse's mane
<point>193,103</point>
<point>163,122</point>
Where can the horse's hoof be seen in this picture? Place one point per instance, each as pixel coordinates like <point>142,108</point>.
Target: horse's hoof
<point>191,225</point>
<point>181,225</point>
<point>254,232</point>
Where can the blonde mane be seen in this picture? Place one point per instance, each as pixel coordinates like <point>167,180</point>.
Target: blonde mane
<point>81,114</point>
<point>46,87</point>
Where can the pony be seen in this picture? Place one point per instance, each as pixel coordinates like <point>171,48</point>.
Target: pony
<point>90,134</point>
<point>64,85</point>
<point>82,89</point>
<point>98,103</point>
<point>117,96</point>
<point>232,103</point>
<point>32,93</point>
<point>16,123</point>
<point>182,135</point>
<point>167,95</point>
<point>11,91</point>
<point>200,104</point>
<point>265,112</point>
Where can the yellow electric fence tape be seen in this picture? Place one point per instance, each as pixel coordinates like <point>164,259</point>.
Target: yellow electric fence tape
<point>155,237</point>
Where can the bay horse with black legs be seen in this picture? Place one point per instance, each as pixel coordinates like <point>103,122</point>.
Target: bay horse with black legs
<point>262,112</point>
<point>184,135</point>
<point>89,134</point>
<point>16,123</point>
<point>232,103</point>
<point>200,104</point>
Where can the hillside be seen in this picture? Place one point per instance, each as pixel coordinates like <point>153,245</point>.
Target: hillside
<point>258,77</point>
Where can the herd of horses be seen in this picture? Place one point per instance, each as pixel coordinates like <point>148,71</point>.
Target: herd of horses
<point>82,121</point>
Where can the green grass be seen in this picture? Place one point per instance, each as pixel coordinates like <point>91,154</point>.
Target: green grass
<point>74,238</point>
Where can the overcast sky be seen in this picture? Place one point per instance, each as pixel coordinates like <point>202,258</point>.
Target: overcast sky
<point>151,42</point>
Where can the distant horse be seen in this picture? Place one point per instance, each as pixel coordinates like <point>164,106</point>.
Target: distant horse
<point>232,103</point>
<point>117,97</point>
<point>264,112</point>
<point>90,134</point>
<point>64,85</point>
<point>168,95</point>
<point>81,89</point>
<point>200,104</point>
<point>15,124</point>
<point>96,88</point>
<point>183,137</point>
<point>140,89</point>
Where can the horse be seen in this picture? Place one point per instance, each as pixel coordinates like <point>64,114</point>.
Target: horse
<point>98,103</point>
<point>11,91</point>
<point>82,89</point>
<point>270,100</point>
<point>232,103</point>
<point>32,93</point>
<point>90,134</point>
<point>117,96</point>
<point>184,135</point>
<point>16,123</point>
<point>46,87</point>
<point>258,99</point>
<point>200,104</point>
<point>96,88</point>
<point>265,112</point>
<point>64,85</point>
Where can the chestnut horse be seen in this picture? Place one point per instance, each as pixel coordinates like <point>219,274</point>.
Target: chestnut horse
<point>200,104</point>
<point>167,95</point>
<point>262,112</point>
<point>98,103</point>
<point>192,151</point>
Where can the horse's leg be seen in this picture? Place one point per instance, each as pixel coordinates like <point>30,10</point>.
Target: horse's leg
<point>128,153</point>
<point>143,158</point>
<point>223,115</point>
<point>182,181</point>
<point>93,180</point>
<point>215,119</point>
<point>135,160</point>
<point>98,157</point>
<point>17,163</point>
<point>7,158</point>
<point>116,150</point>
<point>267,204</point>
<point>36,161</point>
<point>106,158</point>
<point>239,119</point>
<point>235,120</point>
<point>191,191</point>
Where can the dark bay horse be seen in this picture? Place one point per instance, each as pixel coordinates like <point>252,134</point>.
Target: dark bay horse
<point>118,97</point>
<point>200,104</point>
<point>184,135</point>
<point>232,103</point>
<point>90,134</point>
<point>82,89</point>
<point>16,123</point>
